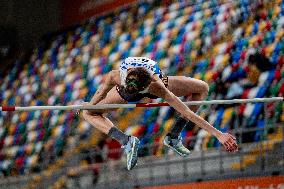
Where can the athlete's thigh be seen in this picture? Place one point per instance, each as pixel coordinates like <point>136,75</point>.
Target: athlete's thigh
<point>184,86</point>
<point>112,97</point>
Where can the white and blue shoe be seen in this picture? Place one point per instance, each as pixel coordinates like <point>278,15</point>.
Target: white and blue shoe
<point>176,145</point>
<point>131,150</point>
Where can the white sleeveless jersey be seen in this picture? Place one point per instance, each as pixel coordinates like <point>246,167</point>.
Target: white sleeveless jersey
<point>134,62</point>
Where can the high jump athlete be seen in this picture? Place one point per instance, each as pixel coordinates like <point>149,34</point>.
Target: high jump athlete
<point>141,77</point>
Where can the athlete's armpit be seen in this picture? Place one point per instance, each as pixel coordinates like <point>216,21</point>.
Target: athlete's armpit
<point>157,88</point>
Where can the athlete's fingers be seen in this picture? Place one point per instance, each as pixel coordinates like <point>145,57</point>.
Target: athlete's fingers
<point>229,148</point>
<point>231,145</point>
<point>86,103</point>
<point>232,137</point>
<point>232,142</point>
<point>227,145</point>
<point>229,142</point>
<point>234,146</point>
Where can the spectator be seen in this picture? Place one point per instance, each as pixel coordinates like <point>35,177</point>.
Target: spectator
<point>96,169</point>
<point>93,157</point>
<point>261,62</point>
<point>261,13</point>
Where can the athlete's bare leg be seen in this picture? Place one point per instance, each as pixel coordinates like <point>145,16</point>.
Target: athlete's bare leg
<point>96,117</point>
<point>103,124</point>
<point>192,89</point>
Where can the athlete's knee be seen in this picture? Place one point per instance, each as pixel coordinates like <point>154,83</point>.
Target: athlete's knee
<point>88,113</point>
<point>204,88</point>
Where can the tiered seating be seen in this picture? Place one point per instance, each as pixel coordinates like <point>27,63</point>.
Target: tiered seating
<point>265,36</point>
<point>68,71</point>
<point>193,37</point>
<point>229,64</point>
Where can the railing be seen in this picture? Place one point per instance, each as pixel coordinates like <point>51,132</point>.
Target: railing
<point>200,165</point>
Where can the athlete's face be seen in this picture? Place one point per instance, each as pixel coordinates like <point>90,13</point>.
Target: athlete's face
<point>131,84</point>
<point>135,80</point>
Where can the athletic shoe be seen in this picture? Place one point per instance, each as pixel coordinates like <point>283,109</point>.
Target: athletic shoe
<point>176,145</point>
<point>131,149</point>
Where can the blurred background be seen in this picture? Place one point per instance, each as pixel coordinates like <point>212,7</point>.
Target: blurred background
<point>57,52</point>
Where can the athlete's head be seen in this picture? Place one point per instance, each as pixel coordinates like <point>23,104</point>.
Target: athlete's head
<point>137,80</point>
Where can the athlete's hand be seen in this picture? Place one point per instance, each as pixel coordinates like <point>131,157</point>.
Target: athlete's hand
<point>86,103</point>
<point>77,112</point>
<point>229,142</point>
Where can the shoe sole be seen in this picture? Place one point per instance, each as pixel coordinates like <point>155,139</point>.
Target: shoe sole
<point>134,151</point>
<point>179,153</point>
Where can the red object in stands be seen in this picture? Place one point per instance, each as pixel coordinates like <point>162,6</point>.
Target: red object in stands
<point>277,75</point>
<point>156,128</point>
<point>243,55</point>
<point>20,162</point>
<point>268,26</point>
<point>281,90</point>
<point>245,93</point>
<point>113,148</point>
<point>281,61</point>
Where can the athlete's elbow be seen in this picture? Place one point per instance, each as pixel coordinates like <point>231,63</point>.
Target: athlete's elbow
<point>169,97</point>
<point>204,89</point>
<point>86,114</point>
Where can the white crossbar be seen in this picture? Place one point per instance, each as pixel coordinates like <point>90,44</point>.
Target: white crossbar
<point>115,106</point>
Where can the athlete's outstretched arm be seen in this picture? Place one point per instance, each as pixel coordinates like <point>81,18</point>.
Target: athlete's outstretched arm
<point>157,88</point>
<point>109,83</point>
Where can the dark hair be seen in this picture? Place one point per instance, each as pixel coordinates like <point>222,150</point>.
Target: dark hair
<point>138,79</point>
<point>252,59</point>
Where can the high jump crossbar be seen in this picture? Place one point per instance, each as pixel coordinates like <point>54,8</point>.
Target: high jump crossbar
<point>115,106</point>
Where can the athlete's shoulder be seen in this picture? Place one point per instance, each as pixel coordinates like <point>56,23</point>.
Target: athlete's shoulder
<point>113,76</point>
<point>114,72</point>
